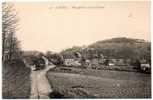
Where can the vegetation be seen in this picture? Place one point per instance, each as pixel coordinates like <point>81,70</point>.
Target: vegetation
<point>125,48</point>
<point>16,80</point>
<point>128,52</point>
<point>101,84</point>
<point>16,76</point>
<point>55,58</point>
<point>10,47</point>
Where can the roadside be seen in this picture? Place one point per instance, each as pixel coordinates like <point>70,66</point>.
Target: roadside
<point>16,80</point>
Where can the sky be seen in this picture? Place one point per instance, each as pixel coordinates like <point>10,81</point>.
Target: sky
<point>54,26</point>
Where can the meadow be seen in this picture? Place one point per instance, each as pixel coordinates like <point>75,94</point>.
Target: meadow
<point>90,83</point>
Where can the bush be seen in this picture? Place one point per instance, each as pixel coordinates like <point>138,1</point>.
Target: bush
<point>16,80</point>
<point>56,59</point>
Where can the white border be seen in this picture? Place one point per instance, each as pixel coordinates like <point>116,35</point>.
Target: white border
<point>1,50</point>
<point>62,1</point>
<point>65,0</point>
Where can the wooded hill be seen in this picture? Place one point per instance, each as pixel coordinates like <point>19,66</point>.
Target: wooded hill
<point>117,48</point>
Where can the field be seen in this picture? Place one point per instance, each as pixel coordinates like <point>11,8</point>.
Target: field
<point>16,81</point>
<point>100,84</point>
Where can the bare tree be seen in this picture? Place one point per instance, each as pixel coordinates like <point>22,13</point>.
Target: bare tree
<point>9,27</point>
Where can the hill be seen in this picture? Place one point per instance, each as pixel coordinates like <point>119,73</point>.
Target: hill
<point>121,47</point>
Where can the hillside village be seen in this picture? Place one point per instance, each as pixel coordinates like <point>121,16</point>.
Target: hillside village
<point>120,54</point>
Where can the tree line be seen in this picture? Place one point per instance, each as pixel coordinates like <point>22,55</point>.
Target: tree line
<point>10,43</point>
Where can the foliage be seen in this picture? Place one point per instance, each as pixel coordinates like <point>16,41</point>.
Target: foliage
<point>129,48</point>
<point>16,80</point>
<point>55,58</point>
<point>70,52</point>
<point>116,48</point>
<point>10,47</point>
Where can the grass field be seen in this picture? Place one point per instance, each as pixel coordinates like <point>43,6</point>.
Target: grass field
<point>101,84</point>
<point>16,81</point>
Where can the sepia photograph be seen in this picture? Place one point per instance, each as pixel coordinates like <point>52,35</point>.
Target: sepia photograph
<point>76,50</point>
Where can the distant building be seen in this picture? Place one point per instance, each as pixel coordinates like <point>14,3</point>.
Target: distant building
<point>145,68</point>
<point>117,62</point>
<point>71,62</point>
<point>111,64</point>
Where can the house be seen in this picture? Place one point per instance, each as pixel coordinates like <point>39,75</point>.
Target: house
<point>68,62</point>
<point>71,62</point>
<point>111,64</point>
<point>145,67</point>
<point>117,62</point>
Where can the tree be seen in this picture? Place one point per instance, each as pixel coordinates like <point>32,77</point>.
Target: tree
<point>106,62</point>
<point>136,63</point>
<point>10,44</point>
<point>55,58</point>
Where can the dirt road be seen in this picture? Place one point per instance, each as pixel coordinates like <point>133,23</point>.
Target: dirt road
<point>40,88</point>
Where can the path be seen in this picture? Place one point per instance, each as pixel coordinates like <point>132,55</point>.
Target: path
<point>40,88</point>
